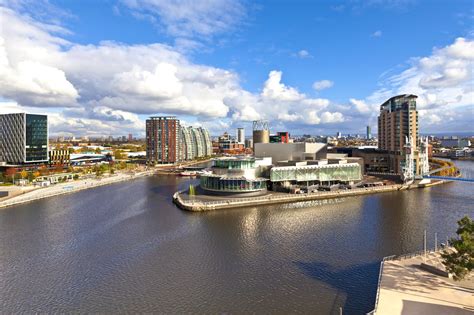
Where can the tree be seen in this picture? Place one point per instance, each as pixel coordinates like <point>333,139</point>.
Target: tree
<point>24,174</point>
<point>460,261</point>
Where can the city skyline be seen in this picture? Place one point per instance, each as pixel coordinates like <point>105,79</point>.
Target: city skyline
<point>105,70</point>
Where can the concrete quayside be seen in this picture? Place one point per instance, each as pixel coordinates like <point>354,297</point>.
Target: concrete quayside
<point>194,203</point>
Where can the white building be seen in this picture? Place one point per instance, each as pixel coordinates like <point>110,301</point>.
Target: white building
<point>299,151</point>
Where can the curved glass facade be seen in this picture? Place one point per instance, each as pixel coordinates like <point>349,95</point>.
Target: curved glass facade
<point>241,164</point>
<point>235,185</point>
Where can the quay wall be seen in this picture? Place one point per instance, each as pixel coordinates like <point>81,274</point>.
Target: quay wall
<point>52,191</point>
<point>197,205</point>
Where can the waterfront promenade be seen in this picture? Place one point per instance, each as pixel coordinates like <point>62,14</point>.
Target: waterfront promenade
<point>197,203</point>
<point>32,194</point>
<point>405,288</point>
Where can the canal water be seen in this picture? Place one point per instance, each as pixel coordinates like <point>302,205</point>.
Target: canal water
<point>127,248</point>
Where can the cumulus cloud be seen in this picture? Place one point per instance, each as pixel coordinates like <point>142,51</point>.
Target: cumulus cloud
<point>322,85</point>
<point>442,80</point>
<point>106,86</point>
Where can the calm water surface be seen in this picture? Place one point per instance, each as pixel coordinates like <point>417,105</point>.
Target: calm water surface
<point>127,248</point>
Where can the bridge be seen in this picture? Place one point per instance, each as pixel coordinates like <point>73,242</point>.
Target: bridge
<point>460,179</point>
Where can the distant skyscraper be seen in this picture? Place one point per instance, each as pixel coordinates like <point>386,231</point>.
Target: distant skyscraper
<point>369,134</point>
<point>241,135</point>
<point>163,140</point>
<point>398,121</point>
<point>23,138</point>
<point>130,137</point>
<point>338,135</point>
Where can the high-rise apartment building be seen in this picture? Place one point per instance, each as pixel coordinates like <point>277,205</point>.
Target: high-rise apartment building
<point>398,121</point>
<point>169,142</point>
<point>241,135</point>
<point>23,138</point>
<point>398,134</point>
<point>163,140</point>
<point>368,135</point>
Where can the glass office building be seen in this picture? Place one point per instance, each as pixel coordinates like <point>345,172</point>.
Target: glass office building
<point>36,138</point>
<point>23,138</point>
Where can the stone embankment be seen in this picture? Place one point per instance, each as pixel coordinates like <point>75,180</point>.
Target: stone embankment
<point>205,205</point>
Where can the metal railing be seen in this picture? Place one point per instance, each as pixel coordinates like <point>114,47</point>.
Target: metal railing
<point>398,257</point>
<point>284,197</point>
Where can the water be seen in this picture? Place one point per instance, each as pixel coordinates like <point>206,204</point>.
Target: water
<point>127,248</point>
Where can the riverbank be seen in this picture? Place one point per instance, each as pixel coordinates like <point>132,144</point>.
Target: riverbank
<point>70,187</point>
<point>406,288</point>
<point>194,203</point>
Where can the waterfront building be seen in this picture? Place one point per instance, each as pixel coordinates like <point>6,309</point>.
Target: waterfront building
<point>297,151</point>
<point>237,175</point>
<point>188,149</point>
<point>398,134</point>
<point>195,142</point>
<point>163,140</point>
<point>23,138</point>
<point>241,135</point>
<point>309,173</point>
<point>397,123</point>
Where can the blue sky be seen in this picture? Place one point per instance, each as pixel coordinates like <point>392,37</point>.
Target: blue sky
<point>308,66</point>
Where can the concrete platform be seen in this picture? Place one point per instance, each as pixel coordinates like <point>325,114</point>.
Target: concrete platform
<point>405,288</point>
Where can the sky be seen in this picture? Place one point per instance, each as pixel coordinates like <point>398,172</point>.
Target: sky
<point>101,67</point>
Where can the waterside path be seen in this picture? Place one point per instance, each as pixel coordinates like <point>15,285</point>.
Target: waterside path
<point>195,204</point>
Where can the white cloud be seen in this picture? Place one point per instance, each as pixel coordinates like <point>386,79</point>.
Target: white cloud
<point>377,34</point>
<point>360,106</point>
<point>443,80</point>
<point>110,84</point>
<point>323,84</point>
<point>275,90</point>
<point>303,54</point>
<point>189,18</point>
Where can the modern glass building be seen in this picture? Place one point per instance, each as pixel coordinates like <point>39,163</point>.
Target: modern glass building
<point>195,142</point>
<point>236,175</point>
<point>23,138</point>
<point>348,172</point>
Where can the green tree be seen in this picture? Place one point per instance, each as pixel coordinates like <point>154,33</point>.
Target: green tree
<point>460,261</point>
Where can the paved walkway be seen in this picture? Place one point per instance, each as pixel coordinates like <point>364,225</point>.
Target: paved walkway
<point>406,289</point>
<point>69,187</point>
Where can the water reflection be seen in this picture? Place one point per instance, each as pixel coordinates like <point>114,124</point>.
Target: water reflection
<point>127,248</point>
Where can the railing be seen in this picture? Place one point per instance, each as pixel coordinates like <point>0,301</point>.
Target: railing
<point>283,197</point>
<point>397,257</point>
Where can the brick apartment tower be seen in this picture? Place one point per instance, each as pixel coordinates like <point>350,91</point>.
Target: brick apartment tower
<point>162,140</point>
<point>398,121</point>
